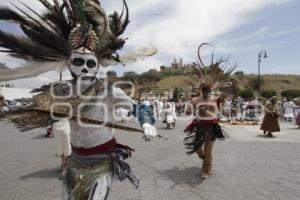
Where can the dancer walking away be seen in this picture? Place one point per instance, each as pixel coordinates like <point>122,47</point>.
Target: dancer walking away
<point>288,110</point>
<point>146,118</point>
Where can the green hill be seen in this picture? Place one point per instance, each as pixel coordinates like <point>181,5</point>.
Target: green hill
<point>275,82</point>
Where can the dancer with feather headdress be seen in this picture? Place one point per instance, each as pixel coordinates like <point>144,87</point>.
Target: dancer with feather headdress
<point>205,128</point>
<point>77,34</point>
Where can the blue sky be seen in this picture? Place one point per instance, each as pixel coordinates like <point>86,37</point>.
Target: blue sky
<point>239,28</point>
<point>277,29</point>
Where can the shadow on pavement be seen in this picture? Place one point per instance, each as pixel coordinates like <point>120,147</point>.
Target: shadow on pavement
<point>38,137</point>
<point>265,136</point>
<point>165,128</point>
<point>45,173</point>
<point>188,176</point>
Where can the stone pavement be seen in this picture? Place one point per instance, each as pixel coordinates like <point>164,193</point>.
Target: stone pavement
<point>247,166</point>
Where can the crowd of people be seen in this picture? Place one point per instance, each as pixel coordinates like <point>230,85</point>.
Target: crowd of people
<point>236,110</point>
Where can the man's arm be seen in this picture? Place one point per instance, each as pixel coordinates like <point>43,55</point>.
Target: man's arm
<point>122,99</point>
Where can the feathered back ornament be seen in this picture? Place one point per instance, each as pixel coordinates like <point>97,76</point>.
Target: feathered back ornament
<point>209,76</point>
<point>65,26</point>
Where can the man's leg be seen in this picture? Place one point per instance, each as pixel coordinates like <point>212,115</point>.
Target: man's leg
<point>207,162</point>
<point>100,190</point>
<point>200,153</point>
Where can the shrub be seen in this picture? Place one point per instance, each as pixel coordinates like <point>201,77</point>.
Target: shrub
<point>291,93</point>
<point>286,81</point>
<point>239,73</point>
<point>246,93</point>
<point>268,93</point>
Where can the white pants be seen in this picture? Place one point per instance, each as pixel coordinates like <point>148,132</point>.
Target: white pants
<point>288,115</point>
<point>170,118</point>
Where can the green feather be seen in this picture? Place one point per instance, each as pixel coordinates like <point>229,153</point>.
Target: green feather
<point>80,11</point>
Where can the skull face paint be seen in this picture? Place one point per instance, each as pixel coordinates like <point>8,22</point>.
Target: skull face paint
<point>83,66</point>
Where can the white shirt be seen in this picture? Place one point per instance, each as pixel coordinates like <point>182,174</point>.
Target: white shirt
<point>288,108</point>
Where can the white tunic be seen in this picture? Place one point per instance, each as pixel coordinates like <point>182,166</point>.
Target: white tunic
<point>288,108</point>
<point>61,131</point>
<point>121,114</point>
<point>169,113</point>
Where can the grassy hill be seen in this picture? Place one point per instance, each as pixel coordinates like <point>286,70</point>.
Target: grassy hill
<point>275,82</point>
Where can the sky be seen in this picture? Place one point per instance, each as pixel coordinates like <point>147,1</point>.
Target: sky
<point>236,28</point>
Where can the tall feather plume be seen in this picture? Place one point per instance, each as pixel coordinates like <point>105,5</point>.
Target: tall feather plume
<point>44,45</point>
<point>62,22</point>
<point>11,16</point>
<point>117,26</point>
<point>31,69</point>
<point>97,16</point>
<point>43,21</point>
<point>212,74</point>
<point>24,48</point>
<point>46,4</point>
<point>41,43</point>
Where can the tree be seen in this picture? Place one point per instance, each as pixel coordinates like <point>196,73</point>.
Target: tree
<point>268,93</point>
<point>246,93</point>
<point>177,93</point>
<point>149,77</point>
<point>256,83</point>
<point>130,76</point>
<point>239,73</point>
<point>111,74</point>
<point>131,73</point>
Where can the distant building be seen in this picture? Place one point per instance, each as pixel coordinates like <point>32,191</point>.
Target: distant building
<point>164,93</point>
<point>178,64</point>
<point>162,68</point>
<point>175,65</point>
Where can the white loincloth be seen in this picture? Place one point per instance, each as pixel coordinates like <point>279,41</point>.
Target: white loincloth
<point>149,130</point>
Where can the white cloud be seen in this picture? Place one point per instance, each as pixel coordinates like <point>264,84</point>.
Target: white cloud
<point>180,29</point>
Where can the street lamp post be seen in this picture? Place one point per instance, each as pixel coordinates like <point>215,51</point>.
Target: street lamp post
<point>262,54</point>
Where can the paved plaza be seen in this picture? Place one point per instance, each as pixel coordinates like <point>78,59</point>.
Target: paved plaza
<point>246,166</point>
